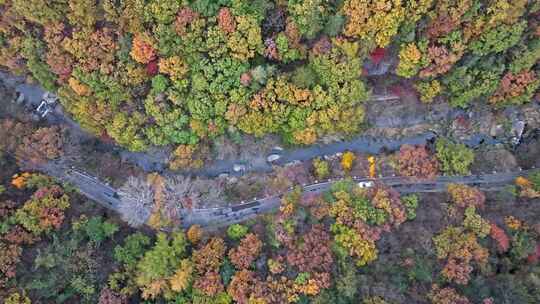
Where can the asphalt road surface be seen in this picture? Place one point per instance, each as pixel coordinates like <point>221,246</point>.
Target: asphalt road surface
<point>210,218</point>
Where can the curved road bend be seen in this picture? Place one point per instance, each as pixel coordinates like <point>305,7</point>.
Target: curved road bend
<point>151,162</point>
<point>109,197</point>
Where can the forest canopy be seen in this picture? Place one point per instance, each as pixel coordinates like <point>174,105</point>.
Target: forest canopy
<point>183,72</point>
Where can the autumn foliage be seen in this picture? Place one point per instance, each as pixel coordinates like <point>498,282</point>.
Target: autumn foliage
<point>143,51</point>
<point>465,196</point>
<point>516,88</point>
<point>417,162</point>
<point>446,295</point>
<point>460,248</point>
<point>498,234</point>
<point>44,211</point>
<point>248,250</point>
<point>43,145</point>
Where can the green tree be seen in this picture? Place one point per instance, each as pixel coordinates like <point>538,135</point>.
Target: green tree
<point>96,229</point>
<point>160,263</point>
<point>32,48</point>
<point>465,84</point>
<point>348,282</point>
<point>41,11</point>
<point>454,159</point>
<point>535,180</point>
<point>309,15</point>
<point>162,11</point>
<point>237,231</point>
<point>411,204</point>
<point>133,249</point>
<point>498,39</point>
<point>321,168</point>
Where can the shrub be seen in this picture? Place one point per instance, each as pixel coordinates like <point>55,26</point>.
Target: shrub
<point>194,234</point>
<point>411,204</point>
<point>237,231</point>
<point>321,168</point>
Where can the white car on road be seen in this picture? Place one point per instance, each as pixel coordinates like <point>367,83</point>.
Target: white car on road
<point>239,168</point>
<point>368,184</point>
<point>273,157</point>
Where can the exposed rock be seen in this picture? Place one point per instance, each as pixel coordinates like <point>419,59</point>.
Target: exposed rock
<point>528,153</point>
<point>495,159</point>
<point>531,115</point>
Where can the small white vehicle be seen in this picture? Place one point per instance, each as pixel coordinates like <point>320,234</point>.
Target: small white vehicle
<point>365,184</point>
<point>49,98</point>
<point>273,157</point>
<point>43,109</point>
<point>293,163</point>
<point>223,175</point>
<point>239,168</point>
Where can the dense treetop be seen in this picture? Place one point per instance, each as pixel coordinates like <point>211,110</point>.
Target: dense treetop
<point>183,72</point>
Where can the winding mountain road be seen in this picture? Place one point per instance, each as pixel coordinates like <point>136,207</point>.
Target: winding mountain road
<point>155,160</point>
<point>109,197</point>
<point>210,218</point>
